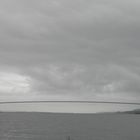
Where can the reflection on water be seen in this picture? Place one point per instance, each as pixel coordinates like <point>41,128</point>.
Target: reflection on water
<point>67,107</point>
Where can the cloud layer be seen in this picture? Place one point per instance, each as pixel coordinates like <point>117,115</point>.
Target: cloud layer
<point>70,50</point>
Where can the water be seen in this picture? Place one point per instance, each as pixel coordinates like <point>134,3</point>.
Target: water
<point>47,126</point>
<point>67,107</point>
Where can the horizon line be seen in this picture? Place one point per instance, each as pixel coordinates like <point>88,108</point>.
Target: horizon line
<point>90,102</point>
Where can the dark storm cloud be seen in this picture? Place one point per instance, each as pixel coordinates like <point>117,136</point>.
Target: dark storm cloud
<point>82,48</point>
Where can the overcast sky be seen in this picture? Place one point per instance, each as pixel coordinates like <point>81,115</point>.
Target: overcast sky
<point>70,50</point>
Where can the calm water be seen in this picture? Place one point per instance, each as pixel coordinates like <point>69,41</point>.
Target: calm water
<point>66,107</point>
<point>44,126</point>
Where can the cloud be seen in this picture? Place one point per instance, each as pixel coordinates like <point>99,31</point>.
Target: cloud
<point>75,49</point>
<point>56,78</point>
<point>104,82</point>
<point>13,84</point>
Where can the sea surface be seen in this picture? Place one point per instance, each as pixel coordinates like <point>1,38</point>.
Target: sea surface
<point>61,126</point>
<point>67,107</point>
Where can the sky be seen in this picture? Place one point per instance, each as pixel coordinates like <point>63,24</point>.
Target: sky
<point>70,50</point>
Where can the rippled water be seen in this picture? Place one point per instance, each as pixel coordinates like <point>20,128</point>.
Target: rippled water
<point>45,126</point>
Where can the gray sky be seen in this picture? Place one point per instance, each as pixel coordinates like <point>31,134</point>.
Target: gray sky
<point>70,50</point>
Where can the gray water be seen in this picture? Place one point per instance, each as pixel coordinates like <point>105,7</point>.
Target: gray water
<point>66,107</point>
<point>46,126</point>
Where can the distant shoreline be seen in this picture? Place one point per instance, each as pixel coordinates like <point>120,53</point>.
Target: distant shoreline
<point>91,102</point>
